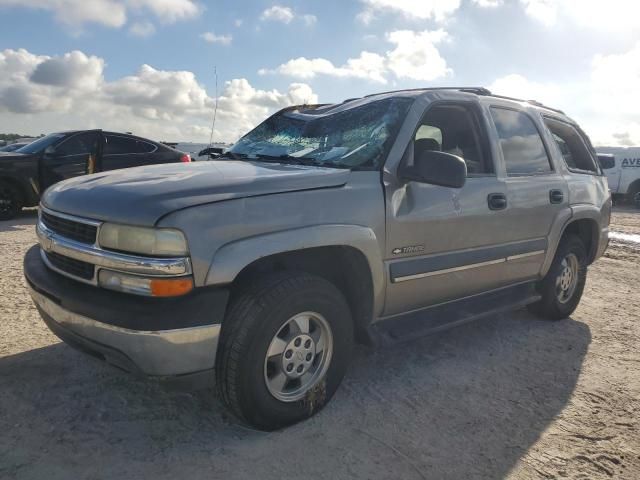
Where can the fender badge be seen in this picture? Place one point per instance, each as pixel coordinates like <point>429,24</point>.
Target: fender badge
<point>409,249</point>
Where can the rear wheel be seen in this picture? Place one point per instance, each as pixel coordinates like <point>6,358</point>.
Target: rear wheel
<point>9,201</point>
<point>285,346</point>
<point>562,287</point>
<point>635,199</point>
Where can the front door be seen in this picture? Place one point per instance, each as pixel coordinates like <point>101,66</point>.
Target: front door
<point>76,155</point>
<point>445,243</point>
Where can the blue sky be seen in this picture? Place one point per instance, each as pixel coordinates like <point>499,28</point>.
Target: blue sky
<point>81,63</point>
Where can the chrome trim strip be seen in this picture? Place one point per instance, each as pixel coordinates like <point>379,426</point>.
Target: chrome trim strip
<point>162,352</point>
<point>525,255</point>
<point>448,270</point>
<point>73,218</point>
<point>52,242</point>
<point>467,267</point>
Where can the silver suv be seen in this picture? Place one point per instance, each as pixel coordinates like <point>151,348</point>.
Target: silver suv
<point>374,220</point>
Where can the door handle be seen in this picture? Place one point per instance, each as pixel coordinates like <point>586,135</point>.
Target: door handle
<point>556,196</point>
<point>497,201</point>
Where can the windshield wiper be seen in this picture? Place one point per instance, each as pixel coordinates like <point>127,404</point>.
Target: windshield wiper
<point>288,159</point>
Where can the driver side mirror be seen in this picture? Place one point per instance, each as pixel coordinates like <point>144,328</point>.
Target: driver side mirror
<point>437,168</point>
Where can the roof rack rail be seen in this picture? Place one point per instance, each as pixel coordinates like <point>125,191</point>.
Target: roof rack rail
<point>476,90</point>
<point>532,102</point>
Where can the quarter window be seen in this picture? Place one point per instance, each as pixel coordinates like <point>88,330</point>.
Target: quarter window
<point>575,152</point>
<point>522,147</point>
<point>118,145</point>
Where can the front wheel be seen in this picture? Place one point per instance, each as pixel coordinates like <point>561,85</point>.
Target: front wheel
<point>285,347</point>
<point>562,287</point>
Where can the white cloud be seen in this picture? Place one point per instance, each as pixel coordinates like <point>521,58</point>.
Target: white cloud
<point>168,10</point>
<point>211,37</point>
<point>309,19</point>
<point>415,57</point>
<point>517,86</point>
<point>488,3</point>
<point>110,13</point>
<point>438,10</point>
<point>593,14</point>
<point>38,95</point>
<point>142,29</point>
<point>367,66</point>
<point>605,103</point>
<point>545,11</point>
<point>286,15</point>
<point>278,13</point>
<point>238,22</point>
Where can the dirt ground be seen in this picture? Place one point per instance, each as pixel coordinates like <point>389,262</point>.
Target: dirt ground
<point>507,397</point>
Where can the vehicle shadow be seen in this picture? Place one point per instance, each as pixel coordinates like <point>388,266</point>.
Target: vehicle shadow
<point>462,404</point>
<point>26,217</point>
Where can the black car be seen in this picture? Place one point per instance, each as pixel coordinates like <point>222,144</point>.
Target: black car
<point>26,173</point>
<point>12,147</point>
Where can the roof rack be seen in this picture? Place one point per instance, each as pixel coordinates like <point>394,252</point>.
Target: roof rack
<point>532,102</point>
<point>476,90</point>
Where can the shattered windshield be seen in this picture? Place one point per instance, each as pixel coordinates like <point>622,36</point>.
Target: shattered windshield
<point>358,137</point>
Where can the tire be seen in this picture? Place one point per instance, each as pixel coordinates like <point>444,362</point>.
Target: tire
<point>634,197</point>
<point>264,318</point>
<point>561,292</point>
<point>10,204</point>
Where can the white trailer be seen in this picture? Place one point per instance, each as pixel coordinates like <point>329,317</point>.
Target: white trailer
<point>623,174</point>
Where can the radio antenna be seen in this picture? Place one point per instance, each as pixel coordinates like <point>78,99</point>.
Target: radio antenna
<point>215,108</point>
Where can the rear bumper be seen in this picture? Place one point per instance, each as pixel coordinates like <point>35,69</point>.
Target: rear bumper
<point>156,338</point>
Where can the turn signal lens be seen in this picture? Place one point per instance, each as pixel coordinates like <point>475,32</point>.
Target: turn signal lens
<point>171,287</point>
<point>147,286</point>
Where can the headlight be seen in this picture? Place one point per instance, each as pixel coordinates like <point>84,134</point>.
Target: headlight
<point>147,241</point>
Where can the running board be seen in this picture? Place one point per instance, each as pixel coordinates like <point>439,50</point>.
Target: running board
<point>407,326</point>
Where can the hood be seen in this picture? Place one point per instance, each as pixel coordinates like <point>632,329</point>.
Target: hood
<point>142,195</point>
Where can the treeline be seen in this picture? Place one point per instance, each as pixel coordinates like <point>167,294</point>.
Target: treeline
<point>10,137</point>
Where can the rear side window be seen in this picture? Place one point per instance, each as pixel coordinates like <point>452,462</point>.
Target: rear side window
<point>522,147</point>
<point>574,150</point>
<point>117,145</point>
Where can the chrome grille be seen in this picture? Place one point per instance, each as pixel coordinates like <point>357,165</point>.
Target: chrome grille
<point>80,232</point>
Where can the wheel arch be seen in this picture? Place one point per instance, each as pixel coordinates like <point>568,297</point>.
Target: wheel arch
<point>347,256</point>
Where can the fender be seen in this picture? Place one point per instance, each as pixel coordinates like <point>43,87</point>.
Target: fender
<point>568,216</point>
<point>231,258</point>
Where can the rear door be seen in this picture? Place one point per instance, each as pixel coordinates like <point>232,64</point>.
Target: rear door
<point>537,192</point>
<point>123,151</point>
<point>76,155</point>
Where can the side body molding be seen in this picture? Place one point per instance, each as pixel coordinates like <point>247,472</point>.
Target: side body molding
<point>231,258</point>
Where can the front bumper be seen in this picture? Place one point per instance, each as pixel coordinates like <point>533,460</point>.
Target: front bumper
<point>155,337</point>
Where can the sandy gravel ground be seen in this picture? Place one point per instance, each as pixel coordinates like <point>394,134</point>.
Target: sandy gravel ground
<point>508,397</point>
